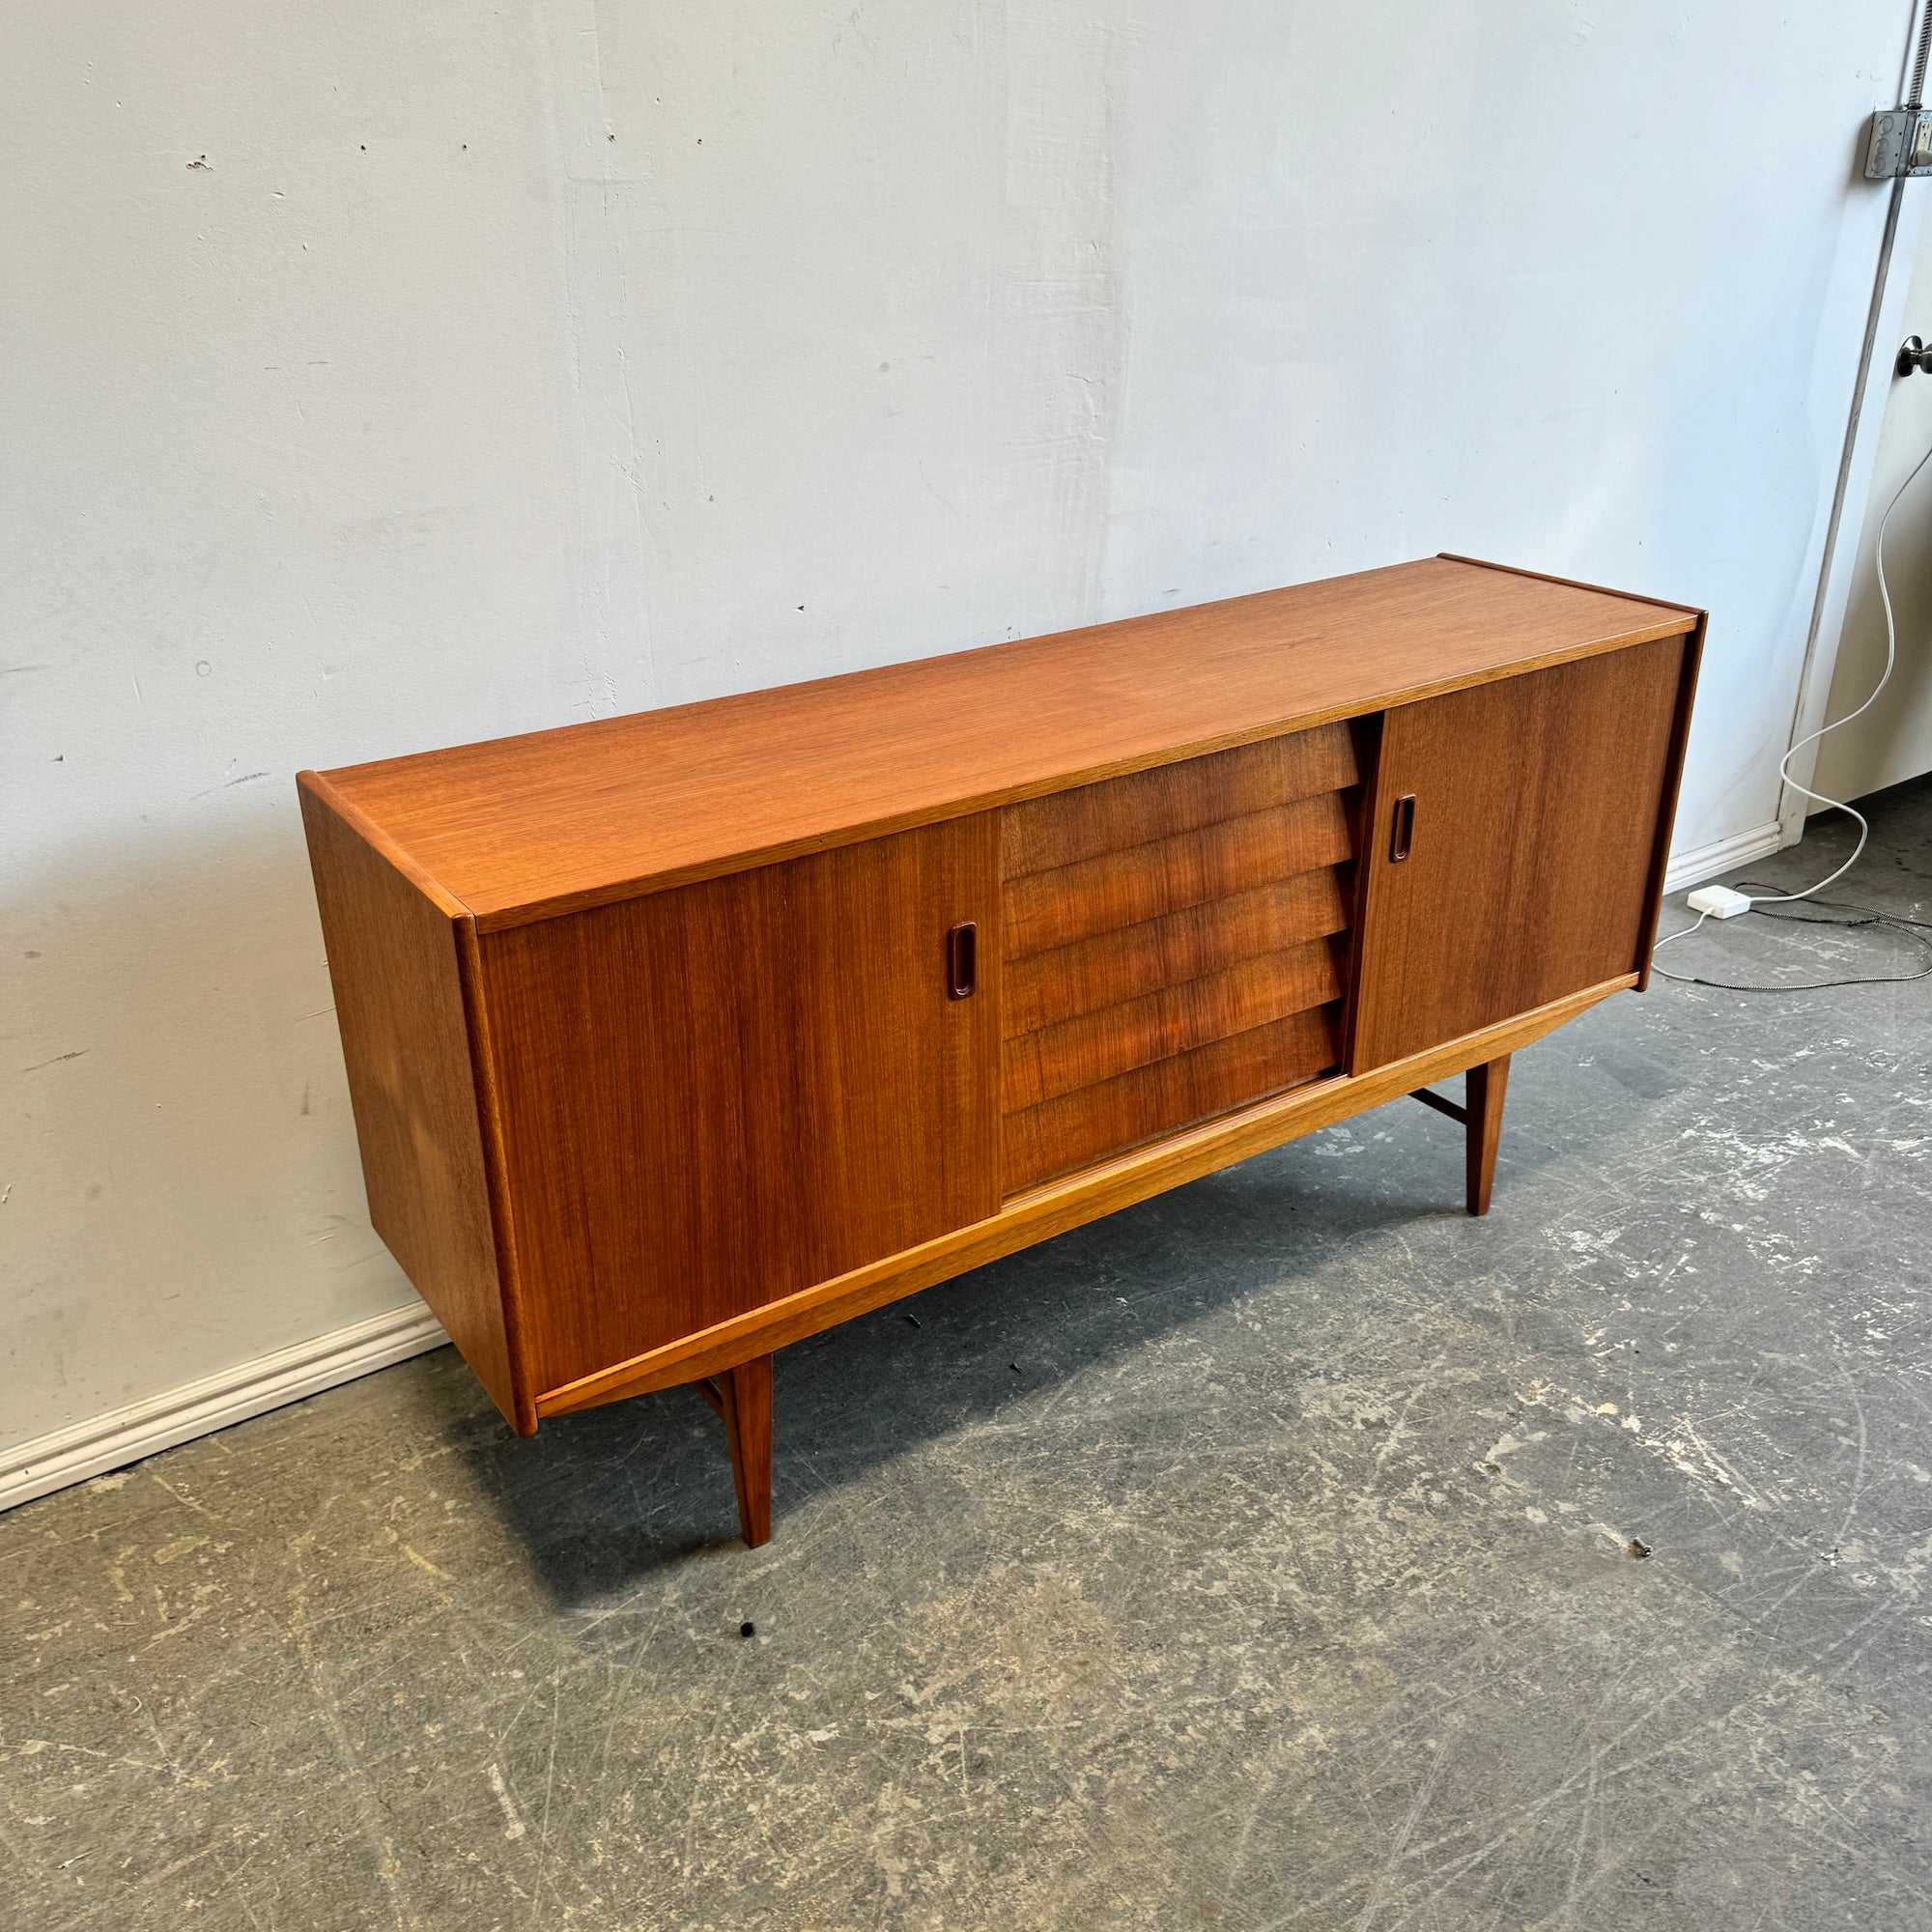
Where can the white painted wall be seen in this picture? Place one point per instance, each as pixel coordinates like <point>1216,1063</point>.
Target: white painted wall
<point>1892,741</point>
<point>374,378</point>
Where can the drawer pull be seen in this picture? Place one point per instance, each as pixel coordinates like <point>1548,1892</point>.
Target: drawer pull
<point>1403,833</point>
<point>962,960</point>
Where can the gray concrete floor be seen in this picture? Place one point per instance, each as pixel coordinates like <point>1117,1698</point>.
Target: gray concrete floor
<point>1260,1558</point>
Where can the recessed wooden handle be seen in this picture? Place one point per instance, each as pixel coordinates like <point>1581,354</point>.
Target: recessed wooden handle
<point>1403,830</point>
<point>962,960</point>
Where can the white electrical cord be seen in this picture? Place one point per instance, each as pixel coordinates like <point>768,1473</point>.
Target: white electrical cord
<point>1885,678</point>
<point>1684,932</point>
<point>1785,763</point>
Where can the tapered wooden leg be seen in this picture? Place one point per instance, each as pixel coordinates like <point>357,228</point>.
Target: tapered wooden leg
<point>1483,1105</point>
<point>743,1398</point>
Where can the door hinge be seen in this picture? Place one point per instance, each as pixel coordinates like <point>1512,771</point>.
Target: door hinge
<point>1900,143</point>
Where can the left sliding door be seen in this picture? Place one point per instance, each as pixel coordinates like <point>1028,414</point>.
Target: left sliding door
<point>716,1095</point>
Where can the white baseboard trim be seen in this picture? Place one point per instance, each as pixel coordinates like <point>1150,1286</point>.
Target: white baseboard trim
<point>178,1415</point>
<point>1722,855</point>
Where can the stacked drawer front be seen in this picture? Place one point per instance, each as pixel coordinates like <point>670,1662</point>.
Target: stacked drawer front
<point>1173,947</point>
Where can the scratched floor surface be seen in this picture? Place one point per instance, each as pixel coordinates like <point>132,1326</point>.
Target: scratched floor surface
<point>1268,1556</point>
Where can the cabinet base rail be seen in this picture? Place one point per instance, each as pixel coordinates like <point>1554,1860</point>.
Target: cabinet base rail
<point>730,1364</point>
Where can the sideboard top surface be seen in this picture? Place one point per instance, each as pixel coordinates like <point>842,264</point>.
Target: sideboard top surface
<point>524,828</point>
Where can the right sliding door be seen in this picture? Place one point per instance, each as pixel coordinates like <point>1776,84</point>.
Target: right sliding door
<point>1510,861</point>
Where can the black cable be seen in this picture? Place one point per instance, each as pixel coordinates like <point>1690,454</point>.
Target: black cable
<point>1868,914</point>
<point>1918,930</point>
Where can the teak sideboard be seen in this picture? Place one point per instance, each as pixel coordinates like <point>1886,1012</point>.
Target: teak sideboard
<point>677,1037</point>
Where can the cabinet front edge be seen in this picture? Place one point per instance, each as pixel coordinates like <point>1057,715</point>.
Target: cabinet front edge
<point>496,1172</point>
<point>1666,818</point>
<point>1061,1205</point>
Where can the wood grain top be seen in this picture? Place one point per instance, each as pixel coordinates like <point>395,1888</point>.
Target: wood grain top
<point>524,828</point>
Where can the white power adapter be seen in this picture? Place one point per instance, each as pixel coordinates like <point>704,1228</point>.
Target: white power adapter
<point>1718,901</point>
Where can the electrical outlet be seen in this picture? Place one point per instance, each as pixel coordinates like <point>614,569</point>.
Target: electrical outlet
<point>1900,144</point>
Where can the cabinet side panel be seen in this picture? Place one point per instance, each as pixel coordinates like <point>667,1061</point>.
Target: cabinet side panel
<point>718,1096</point>
<point>1537,808</point>
<point>393,964</point>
